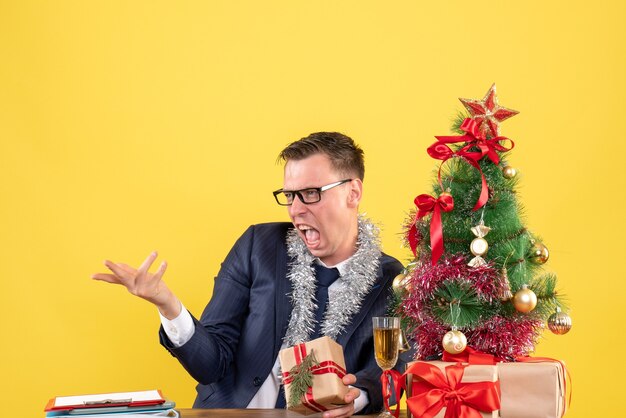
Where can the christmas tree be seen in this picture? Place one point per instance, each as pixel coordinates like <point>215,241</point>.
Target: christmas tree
<point>477,277</point>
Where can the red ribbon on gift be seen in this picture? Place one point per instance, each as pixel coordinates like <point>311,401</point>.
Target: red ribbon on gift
<point>473,138</point>
<point>299,352</point>
<point>434,391</point>
<point>398,384</point>
<point>471,356</point>
<point>324,367</point>
<point>426,204</point>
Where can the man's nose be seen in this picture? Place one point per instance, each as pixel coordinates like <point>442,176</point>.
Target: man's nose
<point>297,207</point>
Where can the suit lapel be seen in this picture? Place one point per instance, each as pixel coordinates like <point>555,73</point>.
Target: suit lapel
<point>281,299</point>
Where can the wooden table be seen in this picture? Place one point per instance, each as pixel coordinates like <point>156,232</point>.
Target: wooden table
<point>262,413</point>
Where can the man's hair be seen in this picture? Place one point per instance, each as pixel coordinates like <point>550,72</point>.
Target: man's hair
<point>345,156</point>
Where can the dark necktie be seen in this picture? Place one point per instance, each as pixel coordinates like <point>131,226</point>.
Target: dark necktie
<point>325,277</point>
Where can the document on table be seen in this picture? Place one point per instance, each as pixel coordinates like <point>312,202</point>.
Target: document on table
<point>169,414</point>
<point>145,397</point>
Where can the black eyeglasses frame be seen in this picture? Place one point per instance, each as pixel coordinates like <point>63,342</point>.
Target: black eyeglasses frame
<point>298,193</point>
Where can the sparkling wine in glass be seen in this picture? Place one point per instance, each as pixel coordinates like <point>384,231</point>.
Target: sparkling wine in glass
<point>386,343</point>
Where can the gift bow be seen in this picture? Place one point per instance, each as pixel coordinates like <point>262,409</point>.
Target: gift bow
<point>473,356</point>
<point>426,204</point>
<point>434,391</point>
<point>324,367</point>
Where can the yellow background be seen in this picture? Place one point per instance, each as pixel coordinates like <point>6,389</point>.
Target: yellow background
<point>129,126</point>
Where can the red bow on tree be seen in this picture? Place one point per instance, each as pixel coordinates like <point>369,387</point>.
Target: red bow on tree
<point>426,204</point>
<point>474,139</point>
<point>432,391</point>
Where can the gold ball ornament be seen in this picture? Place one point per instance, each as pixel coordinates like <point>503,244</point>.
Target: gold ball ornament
<point>559,322</point>
<point>509,172</point>
<point>399,283</point>
<point>524,300</point>
<point>539,253</point>
<point>454,342</point>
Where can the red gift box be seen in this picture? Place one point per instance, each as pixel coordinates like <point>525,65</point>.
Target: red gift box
<point>433,387</point>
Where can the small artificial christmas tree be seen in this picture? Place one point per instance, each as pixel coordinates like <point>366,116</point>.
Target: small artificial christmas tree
<point>477,277</point>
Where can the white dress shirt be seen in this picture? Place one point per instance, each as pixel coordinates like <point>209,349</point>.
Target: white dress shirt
<point>180,330</point>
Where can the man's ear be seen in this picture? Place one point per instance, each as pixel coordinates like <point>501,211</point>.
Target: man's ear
<point>356,193</point>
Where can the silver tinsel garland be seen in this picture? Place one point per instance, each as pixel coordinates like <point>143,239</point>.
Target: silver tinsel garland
<point>361,270</point>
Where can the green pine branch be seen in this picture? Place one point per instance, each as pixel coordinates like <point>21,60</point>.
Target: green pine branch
<point>457,121</point>
<point>547,297</point>
<point>471,309</point>
<point>302,379</point>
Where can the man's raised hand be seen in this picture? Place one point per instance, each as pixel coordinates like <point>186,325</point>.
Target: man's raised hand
<point>140,282</point>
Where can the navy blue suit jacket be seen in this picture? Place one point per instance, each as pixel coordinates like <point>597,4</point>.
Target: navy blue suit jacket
<point>237,339</point>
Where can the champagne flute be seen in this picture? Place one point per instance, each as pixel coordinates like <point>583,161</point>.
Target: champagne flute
<point>386,342</point>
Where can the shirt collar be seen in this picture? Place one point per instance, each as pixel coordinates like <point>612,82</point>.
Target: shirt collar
<point>341,266</point>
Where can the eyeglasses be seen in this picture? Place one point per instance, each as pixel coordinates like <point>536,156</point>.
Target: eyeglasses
<point>307,196</point>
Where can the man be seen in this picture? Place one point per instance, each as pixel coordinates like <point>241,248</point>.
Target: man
<point>269,292</point>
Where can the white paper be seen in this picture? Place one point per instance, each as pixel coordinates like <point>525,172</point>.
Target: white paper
<point>146,395</point>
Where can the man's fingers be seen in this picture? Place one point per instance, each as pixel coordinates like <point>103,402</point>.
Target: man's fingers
<point>349,397</point>
<point>352,394</point>
<point>161,270</point>
<point>128,269</point>
<point>145,266</point>
<point>343,411</point>
<point>109,278</point>
<point>349,379</point>
<point>117,270</point>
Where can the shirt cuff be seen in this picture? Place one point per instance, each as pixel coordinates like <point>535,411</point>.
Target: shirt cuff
<point>180,329</point>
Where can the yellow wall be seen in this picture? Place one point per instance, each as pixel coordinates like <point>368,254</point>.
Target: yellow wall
<point>128,126</point>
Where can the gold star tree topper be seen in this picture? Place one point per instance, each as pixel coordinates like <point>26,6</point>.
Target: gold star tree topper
<point>488,113</point>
